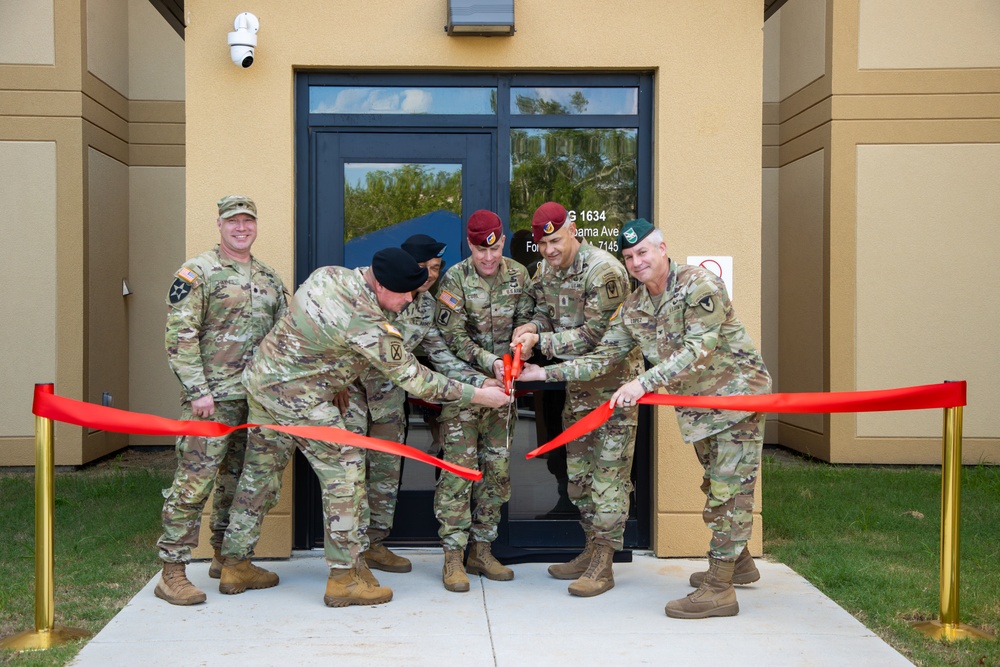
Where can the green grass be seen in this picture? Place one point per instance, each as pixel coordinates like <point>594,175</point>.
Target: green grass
<point>869,538</point>
<point>107,520</point>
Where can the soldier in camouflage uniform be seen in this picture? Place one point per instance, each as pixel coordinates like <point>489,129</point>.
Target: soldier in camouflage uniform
<point>221,304</point>
<point>684,322</point>
<point>482,299</point>
<point>375,406</point>
<point>576,289</point>
<point>334,329</point>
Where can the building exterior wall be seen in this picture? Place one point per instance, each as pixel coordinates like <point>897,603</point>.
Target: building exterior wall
<point>70,136</point>
<point>906,117</point>
<point>707,63</point>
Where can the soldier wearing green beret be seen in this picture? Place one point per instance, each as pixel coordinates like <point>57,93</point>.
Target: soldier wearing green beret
<point>683,320</point>
<point>221,304</point>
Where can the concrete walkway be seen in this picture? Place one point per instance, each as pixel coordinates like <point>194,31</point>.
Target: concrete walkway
<point>532,620</point>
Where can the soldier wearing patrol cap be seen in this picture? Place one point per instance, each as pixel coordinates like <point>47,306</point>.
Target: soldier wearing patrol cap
<point>576,289</point>
<point>683,320</point>
<point>221,304</point>
<point>482,299</point>
<point>335,328</point>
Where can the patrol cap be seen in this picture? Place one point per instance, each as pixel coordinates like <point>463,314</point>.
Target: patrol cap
<point>397,271</point>
<point>548,218</point>
<point>234,204</point>
<point>423,248</point>
<point>484,228</point>
<point>633,232</point>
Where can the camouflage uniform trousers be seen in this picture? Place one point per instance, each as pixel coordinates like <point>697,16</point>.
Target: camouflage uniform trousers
<point>475,438</point>
<point>383,470</point>
<point>202,462</point>
<point>731,460</point>
<point>341,473</point>
<point>599,465</point>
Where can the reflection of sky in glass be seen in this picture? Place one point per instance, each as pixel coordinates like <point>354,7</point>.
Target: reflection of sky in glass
<point>400,100</point>
<point>600,101</point>
<point>355,173</point>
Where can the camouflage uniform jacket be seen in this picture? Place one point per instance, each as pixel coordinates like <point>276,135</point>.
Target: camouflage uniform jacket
<point>695,341</point>
<point>477,318</point>
<point>572,306</point>
<point>217,316</point>
<point>416,324</point>
<point>333,331</point>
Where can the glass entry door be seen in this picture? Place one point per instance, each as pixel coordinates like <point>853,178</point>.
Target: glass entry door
<point>383,156</point>
<point>373,190</point>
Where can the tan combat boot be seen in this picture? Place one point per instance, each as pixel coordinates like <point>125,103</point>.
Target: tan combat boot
<point>239,575</point>
<point>453,572</point>
<point>598,578</point>
<point>366,574</point>
<point>379,557</point>
<point>715,597</point>
<point>215,569</point>
<point>745,571</point>
<point>175,588</point>
<point>481,561</point>
<point>575,568</point>
<point>347,587</point>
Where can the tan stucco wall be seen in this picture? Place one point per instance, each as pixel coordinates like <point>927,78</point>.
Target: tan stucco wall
<point>927,234</point>
<point>28,230</point>
<point>706,179</point>
<point>107,42</point>
<point>97,134</point>
<point>924,34</point>
<point>156,250</point>
<point>27,33</point>
<point>904,151</point>
<point>156,55</point>
<point>803,44</point>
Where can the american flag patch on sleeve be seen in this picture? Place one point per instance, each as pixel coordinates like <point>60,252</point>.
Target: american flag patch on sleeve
<point>449,299</point>
<point>187,275</point>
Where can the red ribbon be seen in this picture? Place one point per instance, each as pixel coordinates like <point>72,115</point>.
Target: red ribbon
<point>944,395</point>
<point>46,404</point>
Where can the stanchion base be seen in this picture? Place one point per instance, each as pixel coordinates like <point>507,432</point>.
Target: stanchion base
<point>950,631</point>
<point>38,640</point>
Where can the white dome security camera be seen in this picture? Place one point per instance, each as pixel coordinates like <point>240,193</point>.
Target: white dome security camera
<point>243,41</point>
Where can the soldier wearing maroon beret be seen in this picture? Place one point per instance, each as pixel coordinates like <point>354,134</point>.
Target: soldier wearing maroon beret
<point>576,289</point>
<point>482,300</point>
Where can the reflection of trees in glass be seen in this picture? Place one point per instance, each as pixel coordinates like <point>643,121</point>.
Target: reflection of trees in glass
<point>582,169</point>
<point>388,197</point>
<point>529,105</point>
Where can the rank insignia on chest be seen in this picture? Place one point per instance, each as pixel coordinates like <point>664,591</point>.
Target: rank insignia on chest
<point>563,301</point>
<point>449,299</point>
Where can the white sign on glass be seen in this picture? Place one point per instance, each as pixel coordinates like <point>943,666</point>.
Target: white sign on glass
<point>717,264</point>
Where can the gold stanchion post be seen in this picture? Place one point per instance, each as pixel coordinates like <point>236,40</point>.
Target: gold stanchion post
<point>948,627</point>
<point>46,633</point>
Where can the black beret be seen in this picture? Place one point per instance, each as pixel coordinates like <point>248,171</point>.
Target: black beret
<point>423,248</point>
<point>397,271</point>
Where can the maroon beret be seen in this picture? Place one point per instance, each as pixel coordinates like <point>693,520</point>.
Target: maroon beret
<point>548,218</point>
<point>484,228</point>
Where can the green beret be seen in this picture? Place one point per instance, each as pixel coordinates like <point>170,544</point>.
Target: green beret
<point>633,232</point>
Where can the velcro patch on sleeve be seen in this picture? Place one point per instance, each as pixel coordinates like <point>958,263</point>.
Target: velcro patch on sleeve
<point>449,299</point>
<point>391,349</point>
<point>388,328</point>
<point>187,275</point>
<point>617,312</point>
